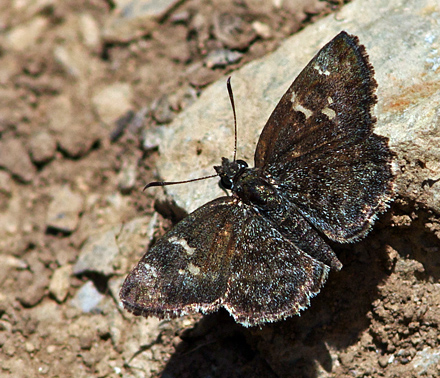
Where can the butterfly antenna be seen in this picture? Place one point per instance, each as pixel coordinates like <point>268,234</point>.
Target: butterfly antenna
<point>166,183</point>
<point>231,97</point>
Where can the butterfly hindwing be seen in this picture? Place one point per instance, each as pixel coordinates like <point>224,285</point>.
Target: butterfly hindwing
<point>271,277</point>
<point>205,262</point>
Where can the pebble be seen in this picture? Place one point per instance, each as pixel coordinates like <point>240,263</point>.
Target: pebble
<point>233,31</point>
<point>135,18</point>
<point>87,298</point>
<point>8,262</point>
<point>98,253</point>
<point>113,101</point>
<point>128,174</point>
<point>383,361</point>
<point>161,109</point>
<point>60,283</point>
<point>26,35</point>
<point>32,286</point>
<point>5,183</point>
<point>74,132</point>
<point>15,159</point>
<point>152,137</point>
<point>222,57</point>
<point>90,31</point>
<point>64,210</point>
<point>42,147</point>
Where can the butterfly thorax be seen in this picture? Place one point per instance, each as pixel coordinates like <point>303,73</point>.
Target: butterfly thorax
<point>249,184</point>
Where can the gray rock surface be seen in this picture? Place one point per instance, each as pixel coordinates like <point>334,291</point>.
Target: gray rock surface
<point>406,61</point>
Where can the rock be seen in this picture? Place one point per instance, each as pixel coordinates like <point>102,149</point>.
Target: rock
<point>42,147</point>
<point>75,131</point>
<point>426,361</point>
<point>88,299</point>
<point>33,284</point>
<point>98,253</point>
<point>222,58</point>
<point>26,35</point>
<point>128,173</point>
<point>8,262</point>
<point>161,110</point>
<point>233,31</point>
<point>64,210</point>
<point>136,18</point>
<point>113,101</point>
<point>114,250</point>
<point>15,159</point>
<point>5,184</point>
<point>60,283</point>
<point>90,31</point>
<point>151,137</point>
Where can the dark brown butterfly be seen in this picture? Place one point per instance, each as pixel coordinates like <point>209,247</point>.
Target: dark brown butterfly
<point>320,171</point>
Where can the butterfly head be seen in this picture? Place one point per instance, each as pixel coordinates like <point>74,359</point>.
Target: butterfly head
<point>229,171</point>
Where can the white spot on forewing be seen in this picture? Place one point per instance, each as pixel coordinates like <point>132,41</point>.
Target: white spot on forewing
<point>330,113</point>
<point>321,71</point>
<point>298,107</point>
<point>193,269</point>
<point>183,243</point>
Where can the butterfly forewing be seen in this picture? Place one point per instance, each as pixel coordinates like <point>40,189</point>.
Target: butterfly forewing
<point>328,103</point>
<point>319,147</point>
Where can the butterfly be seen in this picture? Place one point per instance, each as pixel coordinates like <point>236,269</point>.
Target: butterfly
<point>319,172</point>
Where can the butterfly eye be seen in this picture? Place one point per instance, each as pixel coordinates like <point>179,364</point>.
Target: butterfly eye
<point>226,182</point>
<point>242,164</point>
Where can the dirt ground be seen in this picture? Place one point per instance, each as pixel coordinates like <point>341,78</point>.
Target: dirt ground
<point>79,90</point>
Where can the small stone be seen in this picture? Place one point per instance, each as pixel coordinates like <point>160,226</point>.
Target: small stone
<point>222,57</point>
<point>42,147</point>
<point>128,174</point>
<point>233,31</point>
<point>5,184</point>
<point>8,262</point>
<point>86,339</point>
<point>74,130</point>
<point>15,159</point>
<point>64,210</point>
<point>26,35</point>
<point>113,101</point>
<point>60,283</point>
<point>87,299</point>
<point>32,285</point>
<point>162,112</point>
<point>136,18</point>
<point>29,347</point>
<point>98,253</point>
<point>152,137</point>
<point>383,361</point>
<point>263,30</point>
<point>90,31</point>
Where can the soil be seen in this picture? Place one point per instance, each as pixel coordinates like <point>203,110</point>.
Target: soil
<point>77,97</point>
